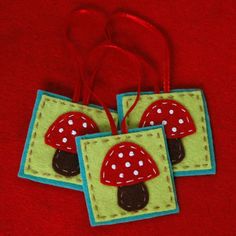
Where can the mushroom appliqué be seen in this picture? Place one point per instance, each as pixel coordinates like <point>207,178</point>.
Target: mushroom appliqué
<point>61,135</point>
<point>177,121</point>
<point>127,166</point>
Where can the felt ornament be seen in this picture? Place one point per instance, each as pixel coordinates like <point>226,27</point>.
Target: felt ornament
<point>126,175</point>
<point>127,166</point>
<point>61,135</point>
<point>182,112</point>
<point>50,154</point>
<point>177,121</point>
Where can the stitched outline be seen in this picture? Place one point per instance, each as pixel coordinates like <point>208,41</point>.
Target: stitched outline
<point>82,107</point>
<point>173,104</point>
<point>91,186</point>
<point>34,135</point>
<point>206,156</point>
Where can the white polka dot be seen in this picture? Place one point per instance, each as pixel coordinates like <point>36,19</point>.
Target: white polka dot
<point>159,110</point>
<point>61,130</point>
<point>70,122</point>
<point>73,132</point>
<point>64,140</point>
<point>131,153</point>
<point>152,122</point>
<point>135,172</point>
<point>164,122</point>
<point>121,175</point>
<point>85,125</point>
<point>181,121</point>
<point>171,112</point>
<point>120,155</point>
<point>140,163</point>
<point>113,166</point>
<point>174,129</point>
<point>127,164</point>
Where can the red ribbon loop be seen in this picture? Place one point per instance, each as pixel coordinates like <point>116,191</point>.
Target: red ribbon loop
<point>137,61</point>
<point>80,57</point>
<point>155,29</point>
<point>81,65</point>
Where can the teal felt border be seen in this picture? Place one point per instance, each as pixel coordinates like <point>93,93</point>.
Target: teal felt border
<point>85,182</point>
<point>211,171</point>
<point>21,173</point>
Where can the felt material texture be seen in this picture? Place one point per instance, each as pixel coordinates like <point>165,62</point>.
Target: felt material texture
<point>37,157</point>
<point>66,163</point>
<point>61,134</point>
<point>177,120</point>
<point>127,163</point>
<point>133,197</point>
<point>33,56</point>
<point>102,199</point>
<point>199,153</point>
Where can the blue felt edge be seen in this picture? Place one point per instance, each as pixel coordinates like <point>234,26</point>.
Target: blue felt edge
<point>21,173</point>
<point>211,171</point>
<point>85,183</point>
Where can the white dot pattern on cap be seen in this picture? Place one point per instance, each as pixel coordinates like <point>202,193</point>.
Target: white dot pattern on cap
<point>171,112</point>
<point>113,166</point>
<point>64,140</point>
<point>173,115</point>
<point>164,122</point>
<point>131,153</point>
<point>152,122</point>
<point>174,129</point>
<point>70,122</point>
<point>159,110</point>
<point>85,125</point>
<point>140,163</point>
<point>65,128</point>
<point>73,132</point>
<point>128,169</point>
<point>120,155</point>
<point>121,175</point>
<point>127,164</point>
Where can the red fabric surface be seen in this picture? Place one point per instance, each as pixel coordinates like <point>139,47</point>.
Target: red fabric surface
<point>170,114</point>
<point>33,56</point>
<point>62,132</point>
<point>127,163</point>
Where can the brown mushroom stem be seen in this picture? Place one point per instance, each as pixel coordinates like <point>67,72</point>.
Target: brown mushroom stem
<point>133,197</point>
<point>66,163</point>
<point>176,150</point>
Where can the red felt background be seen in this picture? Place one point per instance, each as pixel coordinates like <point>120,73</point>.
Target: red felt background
<point>32,56</point>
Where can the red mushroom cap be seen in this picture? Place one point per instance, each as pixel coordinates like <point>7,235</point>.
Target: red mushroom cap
<point>176,118</point>
<point>61,134</point>
<point>127,163</point>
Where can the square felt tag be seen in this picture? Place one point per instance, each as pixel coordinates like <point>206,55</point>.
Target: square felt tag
<point>36,163</point>
<point>183,107</point>
<point>109,164</point>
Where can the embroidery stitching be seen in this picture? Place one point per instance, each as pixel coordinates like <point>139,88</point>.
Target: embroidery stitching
<point>34,135</point>
<point>123,213</point>
<point>201,110</point>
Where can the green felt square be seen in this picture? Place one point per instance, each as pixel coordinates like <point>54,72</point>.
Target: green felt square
<point>197,145</point>
<point>38,160</point>
<point>103,198</point>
